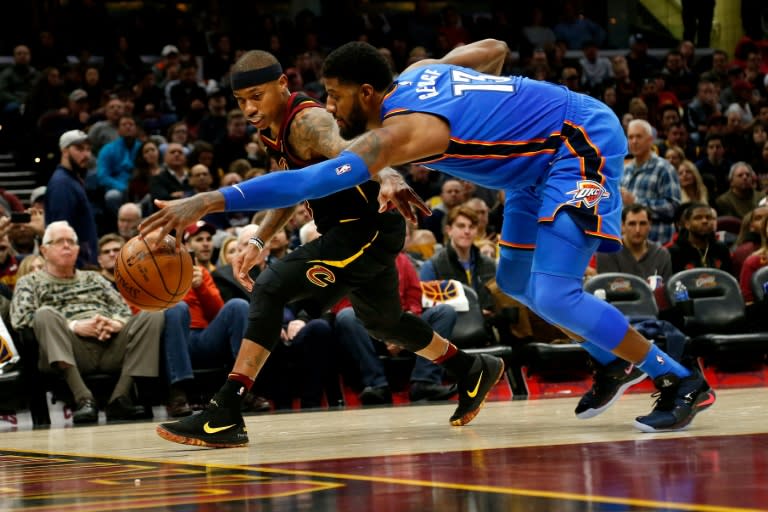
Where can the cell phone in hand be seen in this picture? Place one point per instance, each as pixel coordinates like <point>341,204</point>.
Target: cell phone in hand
<point>194,258</point>
<point>20,218</point>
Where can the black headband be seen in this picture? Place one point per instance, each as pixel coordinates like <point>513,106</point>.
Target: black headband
<point>243,79</point>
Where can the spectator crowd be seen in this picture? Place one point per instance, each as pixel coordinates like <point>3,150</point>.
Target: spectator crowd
<point>129,130</point>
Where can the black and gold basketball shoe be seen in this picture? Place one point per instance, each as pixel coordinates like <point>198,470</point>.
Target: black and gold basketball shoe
<point>214,427</point>
<point>474,387</point>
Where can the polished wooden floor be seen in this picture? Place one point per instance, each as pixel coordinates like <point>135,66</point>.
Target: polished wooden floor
<point>525,455</point>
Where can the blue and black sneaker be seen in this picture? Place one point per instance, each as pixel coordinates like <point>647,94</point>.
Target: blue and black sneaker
<point>609,382</point>
<point>678,402</point>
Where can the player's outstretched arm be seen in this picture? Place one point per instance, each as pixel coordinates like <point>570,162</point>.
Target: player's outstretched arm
<point>486,56</point>
<point>314,132</point>
<point>401,139</point>
<point>180,213</point>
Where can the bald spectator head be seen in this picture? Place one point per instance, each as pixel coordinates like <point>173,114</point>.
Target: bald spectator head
<point>231,178</point>
<point>174,158</point>
<point>128,219</point>
<point>308,232</point>
<point>200,178</point>
<point>246,233</point>
<point>21,55</point>
<point>452,193</point>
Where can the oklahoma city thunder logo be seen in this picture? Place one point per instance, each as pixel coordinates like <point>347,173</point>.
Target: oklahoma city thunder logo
<point>588,192</point>
<point>320,276</point>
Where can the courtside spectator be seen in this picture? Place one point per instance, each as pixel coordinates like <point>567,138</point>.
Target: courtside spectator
<point>84,326</point>
<point>696,245</point>
<point>639,255</point>
<point>753,263</point>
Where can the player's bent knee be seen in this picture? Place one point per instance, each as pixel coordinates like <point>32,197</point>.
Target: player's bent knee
<point>562,301</point>
<point>513,275</point>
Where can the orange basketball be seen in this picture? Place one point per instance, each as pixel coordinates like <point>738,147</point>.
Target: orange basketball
<point>153,279</point>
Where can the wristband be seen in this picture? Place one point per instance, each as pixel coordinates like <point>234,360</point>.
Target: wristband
<point>258,242</point>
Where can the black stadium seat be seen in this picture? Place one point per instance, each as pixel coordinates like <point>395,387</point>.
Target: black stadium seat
<point>629,293</point>
<point>717,325</point>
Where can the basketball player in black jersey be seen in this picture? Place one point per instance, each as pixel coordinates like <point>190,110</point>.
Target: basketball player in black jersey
<point>354,257</point>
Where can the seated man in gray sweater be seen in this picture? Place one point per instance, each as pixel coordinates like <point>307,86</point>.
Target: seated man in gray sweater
<point>639,256</point>
<point>83,325</point>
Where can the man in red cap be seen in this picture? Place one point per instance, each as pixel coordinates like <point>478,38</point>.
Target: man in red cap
<point>198,239</point>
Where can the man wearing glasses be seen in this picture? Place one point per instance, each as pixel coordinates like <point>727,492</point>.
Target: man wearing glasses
<point>84,326</point>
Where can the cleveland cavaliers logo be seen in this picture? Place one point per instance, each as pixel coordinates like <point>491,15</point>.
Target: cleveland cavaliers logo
<point>588,192</point>
<point>320,276</point>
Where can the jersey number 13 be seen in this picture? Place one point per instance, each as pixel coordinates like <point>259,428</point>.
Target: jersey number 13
<point>463,82</point>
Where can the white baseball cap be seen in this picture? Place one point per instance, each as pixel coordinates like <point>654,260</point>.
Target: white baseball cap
<point>37,194</point>
<point>169,49</point>
<point>72,137</point>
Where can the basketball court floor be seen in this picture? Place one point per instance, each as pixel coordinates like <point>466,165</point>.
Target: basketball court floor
<point>528,455</point>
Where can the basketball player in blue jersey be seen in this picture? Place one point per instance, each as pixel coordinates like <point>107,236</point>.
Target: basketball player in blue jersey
<point>558,156</point>
<point>355,257</point>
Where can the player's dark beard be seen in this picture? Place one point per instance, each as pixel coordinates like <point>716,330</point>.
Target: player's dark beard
<point>355,123</point>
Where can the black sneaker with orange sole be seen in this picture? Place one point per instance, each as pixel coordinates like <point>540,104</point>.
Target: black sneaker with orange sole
<point>474,387</point>
<point>214,427</point>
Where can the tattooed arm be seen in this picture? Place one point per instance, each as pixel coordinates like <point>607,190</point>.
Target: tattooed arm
<point>315,134</point>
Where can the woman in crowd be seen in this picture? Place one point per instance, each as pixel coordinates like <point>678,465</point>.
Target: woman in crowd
<point>692,188</point>
<point>675,156</point>
<point>147,164</point>
<point>753,263</point>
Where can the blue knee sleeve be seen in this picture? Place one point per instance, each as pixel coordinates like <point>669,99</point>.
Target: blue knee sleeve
<point>514,273</point>
<point>562,301</point>
<point>561,257</point>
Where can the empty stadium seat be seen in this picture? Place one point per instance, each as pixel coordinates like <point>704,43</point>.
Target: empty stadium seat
<point>717,325</point>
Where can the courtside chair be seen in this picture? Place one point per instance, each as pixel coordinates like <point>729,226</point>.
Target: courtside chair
<point>717,324</point>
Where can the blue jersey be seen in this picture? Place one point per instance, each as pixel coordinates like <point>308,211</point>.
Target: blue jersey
<point>564,149</point>
<point>498,124</point>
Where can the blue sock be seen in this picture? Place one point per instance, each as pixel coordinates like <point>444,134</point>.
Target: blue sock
<point>657,363</point>
<point>602,356</point>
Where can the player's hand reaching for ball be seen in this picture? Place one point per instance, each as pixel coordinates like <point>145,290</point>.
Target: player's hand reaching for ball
<point>177,214</point>
<point>395,192</point>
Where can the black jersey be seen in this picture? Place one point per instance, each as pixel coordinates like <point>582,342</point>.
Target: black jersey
<point>354,204</point>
